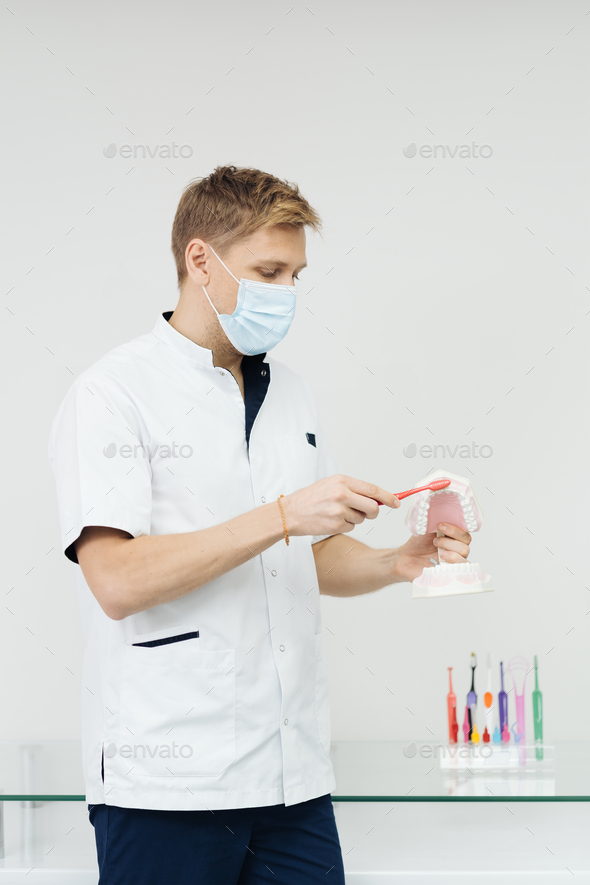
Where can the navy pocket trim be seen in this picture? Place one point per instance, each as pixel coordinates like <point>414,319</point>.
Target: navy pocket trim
<point>311,438</point>
<point>167,639</point>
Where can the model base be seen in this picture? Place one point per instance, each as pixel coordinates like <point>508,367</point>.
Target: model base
<point>451,579</point>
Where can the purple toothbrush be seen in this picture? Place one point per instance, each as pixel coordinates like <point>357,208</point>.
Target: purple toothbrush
<point>503,701</point>
<point>472,697</point>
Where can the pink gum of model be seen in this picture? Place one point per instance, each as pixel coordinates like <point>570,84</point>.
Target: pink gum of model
<point>455,505</point>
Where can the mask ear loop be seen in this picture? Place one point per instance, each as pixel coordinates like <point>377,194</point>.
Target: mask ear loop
<point>227,269</point>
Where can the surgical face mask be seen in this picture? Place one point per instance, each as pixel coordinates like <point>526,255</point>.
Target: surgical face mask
<point>263,314</point>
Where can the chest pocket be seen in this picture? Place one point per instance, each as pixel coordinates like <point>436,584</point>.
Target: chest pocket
<point>299,460</point>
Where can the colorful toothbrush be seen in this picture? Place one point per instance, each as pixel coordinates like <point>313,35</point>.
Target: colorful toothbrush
<point>520,750</point>
<point>466,728</point>
<point>435,486</point>
<point>472,697</point>
<point>538,715</point>
<point>487,699</point>
<point>503,702</point>
<point>452,711</point>
<point>518,667</point>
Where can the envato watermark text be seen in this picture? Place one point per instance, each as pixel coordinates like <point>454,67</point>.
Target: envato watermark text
<point>145,751</point>
<point>148,152</point>
<point>445,451</point>
<point>452,751</point>
<point>163,451</point>
<point>465,151</point>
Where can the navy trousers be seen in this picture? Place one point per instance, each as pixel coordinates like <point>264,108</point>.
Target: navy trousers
<point>245,846</point>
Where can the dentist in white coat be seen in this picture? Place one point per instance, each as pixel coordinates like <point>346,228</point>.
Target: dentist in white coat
<point>201,504</point>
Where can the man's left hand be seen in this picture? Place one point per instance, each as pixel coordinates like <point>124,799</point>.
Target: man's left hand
<point>416,553</point>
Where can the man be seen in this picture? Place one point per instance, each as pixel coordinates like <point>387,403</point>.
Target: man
<point>199,496</point>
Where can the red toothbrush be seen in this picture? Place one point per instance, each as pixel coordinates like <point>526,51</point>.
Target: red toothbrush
<point>435,486</point>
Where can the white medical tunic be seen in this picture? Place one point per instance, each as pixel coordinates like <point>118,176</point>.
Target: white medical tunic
<point>218,699</point>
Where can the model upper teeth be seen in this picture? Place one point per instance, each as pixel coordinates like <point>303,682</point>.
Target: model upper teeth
<point>424,507</point>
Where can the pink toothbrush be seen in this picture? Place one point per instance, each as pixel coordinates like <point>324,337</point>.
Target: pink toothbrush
<point>435,486</point>
<point>466,728</point>
<point>518,667</point>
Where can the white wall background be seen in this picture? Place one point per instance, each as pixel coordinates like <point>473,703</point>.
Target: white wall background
<point>456,291</point>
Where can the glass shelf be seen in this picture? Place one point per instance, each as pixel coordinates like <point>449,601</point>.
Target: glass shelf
<point>41,771</point>
<point>366,771</point>
<point>402,771</point>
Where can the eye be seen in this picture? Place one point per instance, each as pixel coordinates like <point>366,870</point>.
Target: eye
<point>271,275</point>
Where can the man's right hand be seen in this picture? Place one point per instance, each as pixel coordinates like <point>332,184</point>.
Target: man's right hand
<point>334,504</point>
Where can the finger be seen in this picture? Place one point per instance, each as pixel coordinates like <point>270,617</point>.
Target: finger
<point>453,531</point>
<point>370,490</point>
<point>449,546</point>
<point>353,516</point>
<point>367,506</point>
<point>449,556</point>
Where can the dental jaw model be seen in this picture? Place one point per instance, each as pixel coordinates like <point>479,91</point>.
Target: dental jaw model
<point>456,505</point>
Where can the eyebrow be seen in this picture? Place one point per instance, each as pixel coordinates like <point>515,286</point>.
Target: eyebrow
<point>280,263</point>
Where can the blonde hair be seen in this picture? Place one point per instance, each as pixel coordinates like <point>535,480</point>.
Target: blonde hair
<point>231,204</point>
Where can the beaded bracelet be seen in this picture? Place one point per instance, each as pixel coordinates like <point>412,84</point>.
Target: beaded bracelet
<point>283,516</point>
